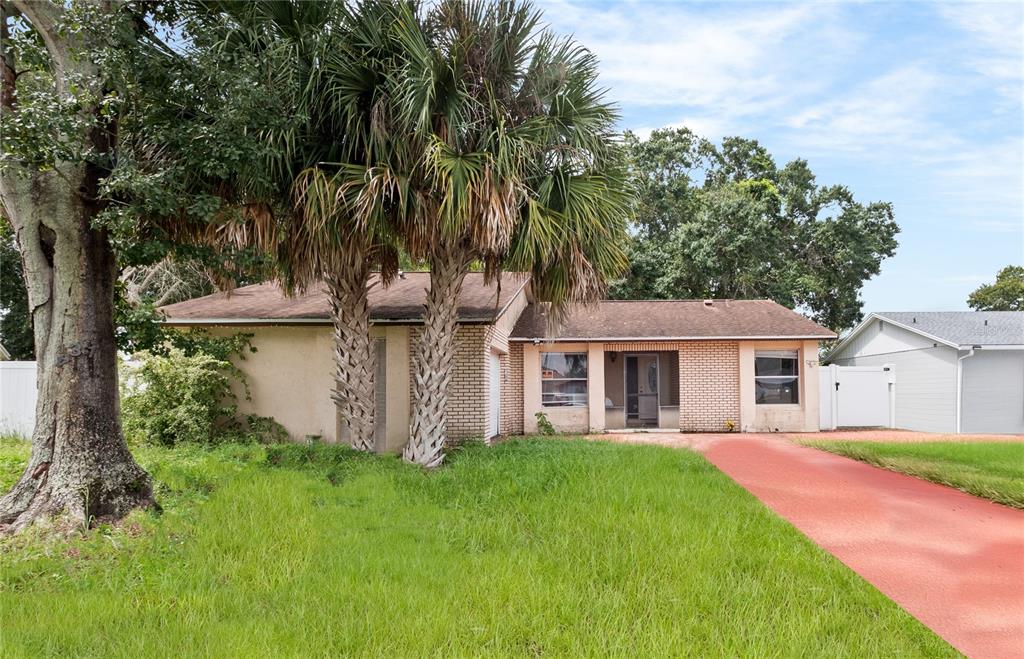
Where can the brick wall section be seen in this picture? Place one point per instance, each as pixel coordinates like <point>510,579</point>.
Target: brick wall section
<point>512,390</point>
<point>709,385</point>
<point>467,391</point>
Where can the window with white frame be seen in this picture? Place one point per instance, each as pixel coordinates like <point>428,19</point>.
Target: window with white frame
<point>777,377</point>
<point>563,379</point>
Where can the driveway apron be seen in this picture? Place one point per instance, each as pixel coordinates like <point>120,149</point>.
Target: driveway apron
<point>952,560</point>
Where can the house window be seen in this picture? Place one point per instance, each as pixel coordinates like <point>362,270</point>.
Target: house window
<point>563,379</point>
<point>777,377</point>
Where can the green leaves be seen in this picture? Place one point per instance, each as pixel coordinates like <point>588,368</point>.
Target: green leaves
<point>727,222</point>
<point>1005,294</point>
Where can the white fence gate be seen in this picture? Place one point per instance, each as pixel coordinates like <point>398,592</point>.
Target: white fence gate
<point>17,398</point>
<point>857,397</point>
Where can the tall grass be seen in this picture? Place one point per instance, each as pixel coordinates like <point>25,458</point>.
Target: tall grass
<point>535,547</point>
<point>991,470</point>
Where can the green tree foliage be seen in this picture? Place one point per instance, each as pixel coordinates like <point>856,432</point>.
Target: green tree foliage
<point>15,323</point>
<point>1005,294</point>
<point>727,222</point>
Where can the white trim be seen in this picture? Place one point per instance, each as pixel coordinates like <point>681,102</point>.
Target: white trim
<point>623,339</point>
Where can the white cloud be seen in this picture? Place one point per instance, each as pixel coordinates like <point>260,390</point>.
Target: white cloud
<point>996,45</point>
<point>889,112</point>
<point>727,64</point>
<point>998,226</point>
<point>965,279</point>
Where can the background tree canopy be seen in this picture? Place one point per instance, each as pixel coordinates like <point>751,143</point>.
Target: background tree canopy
<point>727,222</point>
<point>15,326</point>
<point>1006,294</point>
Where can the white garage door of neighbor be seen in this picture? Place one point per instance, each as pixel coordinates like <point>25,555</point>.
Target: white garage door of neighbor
<point>858,397</point>
<point>495,411</point>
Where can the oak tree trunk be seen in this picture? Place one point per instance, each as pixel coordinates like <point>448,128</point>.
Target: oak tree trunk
<point>80,466</point>
<point>434,357</point>
<point>354,357</point>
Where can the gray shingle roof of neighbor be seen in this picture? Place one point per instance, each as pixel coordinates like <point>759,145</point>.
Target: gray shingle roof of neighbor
<point>403,301</point>
<point>673,319</point>
<point>964,328</point>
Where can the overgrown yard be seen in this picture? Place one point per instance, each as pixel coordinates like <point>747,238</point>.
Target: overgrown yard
<point>533,547</point>
<point>993,470</point>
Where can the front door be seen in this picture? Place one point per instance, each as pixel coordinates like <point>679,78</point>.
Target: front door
<point>642,391</point>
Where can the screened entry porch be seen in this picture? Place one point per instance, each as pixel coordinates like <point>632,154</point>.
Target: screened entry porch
<point>641,389</point>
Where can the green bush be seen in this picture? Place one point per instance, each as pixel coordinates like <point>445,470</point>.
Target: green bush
<point>544,425</point>
<point>179,398</point>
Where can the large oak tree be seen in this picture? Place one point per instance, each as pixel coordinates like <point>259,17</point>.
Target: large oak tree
<point>726,221</point>
<point>59,140</point>
<point>116,145</point>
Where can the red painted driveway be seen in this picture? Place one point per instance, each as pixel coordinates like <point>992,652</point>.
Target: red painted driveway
<point>953,561</point>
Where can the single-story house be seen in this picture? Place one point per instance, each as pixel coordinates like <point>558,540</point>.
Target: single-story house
<point>692,365</point>
<point>956,371</point>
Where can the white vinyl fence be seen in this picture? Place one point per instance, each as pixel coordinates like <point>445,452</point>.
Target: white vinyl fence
<point>17,398</point>
<point>857,397</point>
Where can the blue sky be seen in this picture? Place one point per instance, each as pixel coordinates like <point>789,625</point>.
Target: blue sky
<point>919,104</point>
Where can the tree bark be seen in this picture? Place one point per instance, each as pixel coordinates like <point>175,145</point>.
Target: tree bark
<point>354,355</point>
<point>434,357</point>
<point>80,466</point>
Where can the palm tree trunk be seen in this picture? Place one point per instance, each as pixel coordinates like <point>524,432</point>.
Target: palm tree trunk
<point>434,357</point>
<point>354,357</point>
<point>80,466</point>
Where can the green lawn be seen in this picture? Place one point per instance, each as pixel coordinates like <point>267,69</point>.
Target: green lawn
<point>993,470</point>
<point>533,547</point>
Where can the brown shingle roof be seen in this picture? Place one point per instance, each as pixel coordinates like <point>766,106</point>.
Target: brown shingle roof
<point>403,301</point>
<point>673,319</point>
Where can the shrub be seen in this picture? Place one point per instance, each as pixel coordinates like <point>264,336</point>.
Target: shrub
<point>544,425</point>
<point>178,398</point>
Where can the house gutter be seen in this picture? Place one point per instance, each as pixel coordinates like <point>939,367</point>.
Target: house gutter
<point>960,388</point>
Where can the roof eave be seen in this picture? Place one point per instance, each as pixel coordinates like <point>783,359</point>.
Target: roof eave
<point>258,322</point>
<point>612,339</point>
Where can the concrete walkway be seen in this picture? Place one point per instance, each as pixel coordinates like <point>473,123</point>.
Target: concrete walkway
<point>953,561</point>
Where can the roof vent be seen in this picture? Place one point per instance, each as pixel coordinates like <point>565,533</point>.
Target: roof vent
<point>914,319</point>
<point>708,303</point>
<point>986,322</point>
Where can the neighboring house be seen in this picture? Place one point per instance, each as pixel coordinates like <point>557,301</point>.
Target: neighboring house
<point>955,371</point>
<point>694,365</point>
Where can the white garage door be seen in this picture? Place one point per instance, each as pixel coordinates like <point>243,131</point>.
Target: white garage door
<point>494,420</point>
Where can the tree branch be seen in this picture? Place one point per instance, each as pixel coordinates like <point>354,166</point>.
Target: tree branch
<point>45,17</point>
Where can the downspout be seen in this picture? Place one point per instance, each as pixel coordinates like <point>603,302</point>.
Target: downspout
<point>960,389</point>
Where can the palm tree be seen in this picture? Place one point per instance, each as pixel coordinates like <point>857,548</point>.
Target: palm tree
<point>333,225</point>
<point>511,161</point>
